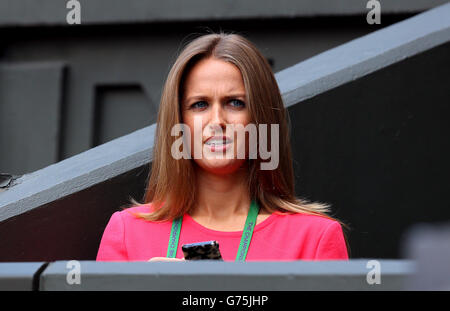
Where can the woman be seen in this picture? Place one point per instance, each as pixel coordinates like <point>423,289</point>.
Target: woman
<point>221,81</point>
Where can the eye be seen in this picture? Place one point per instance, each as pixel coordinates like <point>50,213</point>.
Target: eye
<point>199,105</point>
<point>237,103</point>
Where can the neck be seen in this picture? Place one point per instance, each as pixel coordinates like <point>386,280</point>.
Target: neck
<point>221,197</point>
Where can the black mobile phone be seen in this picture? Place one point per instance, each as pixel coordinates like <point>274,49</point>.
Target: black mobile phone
<point>202,250</point>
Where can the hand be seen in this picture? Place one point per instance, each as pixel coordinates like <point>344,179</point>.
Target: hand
<point>166,259</point>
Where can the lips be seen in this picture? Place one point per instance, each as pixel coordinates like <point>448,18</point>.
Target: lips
<point>218,143</point>
<point>218,140</point>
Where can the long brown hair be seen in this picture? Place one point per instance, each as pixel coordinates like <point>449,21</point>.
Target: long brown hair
<point>171,185</point>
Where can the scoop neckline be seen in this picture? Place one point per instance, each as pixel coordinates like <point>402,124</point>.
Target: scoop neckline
<point>258,227</point>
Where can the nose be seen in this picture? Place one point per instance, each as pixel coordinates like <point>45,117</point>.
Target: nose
<point>217,117</point>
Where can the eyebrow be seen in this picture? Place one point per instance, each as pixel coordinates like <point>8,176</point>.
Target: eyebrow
<point>203,97</point>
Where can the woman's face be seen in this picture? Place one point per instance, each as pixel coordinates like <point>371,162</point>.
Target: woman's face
<point>213,99</point>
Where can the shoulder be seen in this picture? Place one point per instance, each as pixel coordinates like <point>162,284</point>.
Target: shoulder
<point>322,238</point>
<point>303,218</point>
<point>142,208</point>
<point>132,223</point>
<point>122,238</point>
<point>131,214</point>
<point>316,224</point>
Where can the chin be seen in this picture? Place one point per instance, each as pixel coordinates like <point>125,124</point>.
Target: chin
<point>221,167</point>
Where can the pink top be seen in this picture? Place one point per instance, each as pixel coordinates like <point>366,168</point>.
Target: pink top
<point>278,237</point>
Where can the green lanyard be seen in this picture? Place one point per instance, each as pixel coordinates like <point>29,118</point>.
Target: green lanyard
<point>250,223</point>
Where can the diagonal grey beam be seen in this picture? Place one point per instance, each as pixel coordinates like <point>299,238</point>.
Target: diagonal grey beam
<point>364,55</point>
<point>78,172</point>
<point>314,76</point>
